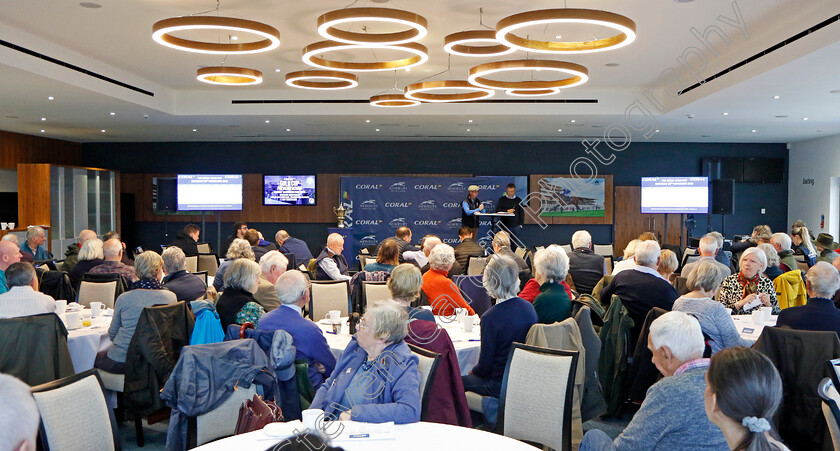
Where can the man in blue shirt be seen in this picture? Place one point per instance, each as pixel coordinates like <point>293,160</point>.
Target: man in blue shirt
<point>34,244</point>
<point>310,343</point>
<point>9,254</point>
<point>469,207</point>
<point>290,245</point>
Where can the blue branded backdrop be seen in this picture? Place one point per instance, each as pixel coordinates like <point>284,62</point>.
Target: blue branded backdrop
<point>377,206</point>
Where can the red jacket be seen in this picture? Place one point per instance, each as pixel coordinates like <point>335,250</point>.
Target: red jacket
<point>444,296</point>
<point>532,289</point>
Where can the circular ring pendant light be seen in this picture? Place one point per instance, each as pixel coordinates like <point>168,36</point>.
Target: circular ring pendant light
<point>578,75</point>
<point>420,52</point>
<point>162,34</point>
<point>229,76</point>
<point>535,93</point>
<point>425,91</point>
<point>327,26</point>
<point>462,44</point>
<point>626,30</point>
<point>305,79</point>
<point>392,101</point>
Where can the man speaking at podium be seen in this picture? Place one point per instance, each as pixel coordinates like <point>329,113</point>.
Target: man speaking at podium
<point>469,207</point>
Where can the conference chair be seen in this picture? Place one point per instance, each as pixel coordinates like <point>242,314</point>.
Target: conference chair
<point>201,275</point>
<point>373,291</point>
<point>803,266</point>
<point>427,365</point>
<point>35,348</point>
<point>608,264</point>
<point>75,415</point>
<point>104,288</point>
<point>475,266</point>
<point>208,262</point>
<point>603,249</point>
<point>192,263</point>
<point>219,422</point>
<point>537,393</point>
<point>520,252</point>
<point>364,260</point>
<point>689,256</point>
<point>290,257</point>
<point>204,248</point>
<point>830,409</point>
<point>329,295</point>
<point>567,248</point>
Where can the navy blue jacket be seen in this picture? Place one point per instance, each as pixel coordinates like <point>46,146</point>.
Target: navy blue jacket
<point>299,249</point>
<point>187,287</point>
<point>639,292</point>
<point>818,314</point>
<point>504,323</point>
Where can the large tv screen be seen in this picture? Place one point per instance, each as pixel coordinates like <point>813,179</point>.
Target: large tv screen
<point>675,195</point>
<point>289,190</point>
<point>209,192</point>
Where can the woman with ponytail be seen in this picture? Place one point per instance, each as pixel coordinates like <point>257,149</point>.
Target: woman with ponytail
<point>743,391</point>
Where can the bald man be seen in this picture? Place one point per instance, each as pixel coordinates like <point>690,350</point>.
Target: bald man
<point>9,254</point>
<point>330,264</point>
<point>113,251</point>
<point>71,255</point>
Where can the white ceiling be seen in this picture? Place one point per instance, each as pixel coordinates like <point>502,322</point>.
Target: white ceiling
<point>115,41</point>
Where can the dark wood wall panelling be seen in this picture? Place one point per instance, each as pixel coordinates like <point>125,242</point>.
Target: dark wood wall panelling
<point>16,148</point>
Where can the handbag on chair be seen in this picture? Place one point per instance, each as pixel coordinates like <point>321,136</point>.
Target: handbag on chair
<point>255,413</point>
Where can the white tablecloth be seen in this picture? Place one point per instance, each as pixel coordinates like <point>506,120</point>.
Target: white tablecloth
<point>86,342</point>
<point>407,437</point>
<point>750,330</point>
<point>467,344</point>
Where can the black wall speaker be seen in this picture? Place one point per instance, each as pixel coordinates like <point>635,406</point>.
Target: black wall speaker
<point>167,194</point>
<point>723,197</point>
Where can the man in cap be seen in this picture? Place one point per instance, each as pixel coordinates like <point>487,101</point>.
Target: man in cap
<point>469,207</point>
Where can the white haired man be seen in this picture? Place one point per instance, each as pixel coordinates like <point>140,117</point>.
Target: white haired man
<point>501,246</point>
<point>429,243</point>
<point>673,414</point>
<point>187,287</point>
<point>819,313</point>
<point>272,264</point>
<point>782,243</point>
<point>34,245</point>
<point>292,289</point>
<point>330,264</point>
<point>708,250</point>
<point>585,267</point>
<point>642,287</point>
<point>113,251</point>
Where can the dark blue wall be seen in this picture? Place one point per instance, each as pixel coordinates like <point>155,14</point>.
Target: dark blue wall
<point>427,157</point>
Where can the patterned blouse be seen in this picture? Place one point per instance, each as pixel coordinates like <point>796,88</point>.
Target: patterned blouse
<point>731,291</point>
<point>250,313</point>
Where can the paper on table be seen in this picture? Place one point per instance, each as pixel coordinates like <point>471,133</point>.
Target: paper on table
<point>355,431</point>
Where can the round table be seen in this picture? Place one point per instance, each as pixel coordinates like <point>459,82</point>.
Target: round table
<point>85,342</point>
<point>467,344</point>
<point>407,437</point>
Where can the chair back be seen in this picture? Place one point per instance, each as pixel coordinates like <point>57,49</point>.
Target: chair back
<point>192,263</point>
<point>473,291</point>
<point>203,248</point>
<point>219,422</point>
<point>201,275</point>
<point>536,401</point>
<point>831,409</point>
<point>567,248</point>
<point>75,415</point>
<point>290,257</point>
<point>475,266</point>
<point>608,264</point>
<point>364,260</point>
<point>681,285</point>
<point>35,348</point>
<point>427,365</point>
<point>605,250</point>
<point>592,404</point>
<point>520,251</point>
<point>97,292</point>
<point>803,266</point>
<point>208,262</point>
<point>374,291</point>
<point>329,295</point>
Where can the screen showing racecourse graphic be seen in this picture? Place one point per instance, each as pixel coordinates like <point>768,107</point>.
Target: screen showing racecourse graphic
<point>210,192</point>
<point>675,195</point>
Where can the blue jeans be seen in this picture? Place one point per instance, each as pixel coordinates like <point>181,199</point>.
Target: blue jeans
<point>595,440</point>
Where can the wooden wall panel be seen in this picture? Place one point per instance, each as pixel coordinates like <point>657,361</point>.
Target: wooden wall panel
<point>33,194</point>
<point>16,148</point>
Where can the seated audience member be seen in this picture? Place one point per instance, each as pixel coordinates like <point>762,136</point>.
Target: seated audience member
<point>187,240</point>
<point>647,236</point>
<point>760,234</point>
<point>237,249</point>
<point>628,261</point>
<point>772,271</point>
<point>825,248</point>
<point>404,284</point>
<point>187,287</point>
<point>550,268</point>
<point>292,290</point>
<point>330,263</point>
<point>34,244</point>
<point>532,289</point>
<point>403,239</point>
<point>444,296</point>
<point>822,281</point>
<point>708,251</point>
<point>781,243</point>
<point>23,297</point>
<point>743,391</point>
<point>90,256</point>
<point>146,292</point>
<point>273,264</point>
<point>641,288</point>
<point>503,324</point>
<point>721,256</point>
<point>387,258</point>
<point>239,229</point>
<point>289,245</point>
<point>740,290</point>
<point>126,256</point>
<point>19,416</point>
<point>377,356</point>
<point>113,251</point>
<point>11,237</point>
<point>501,246</point>
<point>429,243</point>
<point>258,244</point>
<point>9,254</point>
<point>673,414</point>
<point>71,255</point>
<point>469,247</point>
<point>704,282</point>
<point>667,264</point>
<point>586,267</point>
<point>802,243</point>
<point>237,304</point>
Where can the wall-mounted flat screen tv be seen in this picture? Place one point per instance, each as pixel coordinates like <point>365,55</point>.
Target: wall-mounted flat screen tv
<point>209,192</point>
<point>675,195</point>
<point>289,190</point>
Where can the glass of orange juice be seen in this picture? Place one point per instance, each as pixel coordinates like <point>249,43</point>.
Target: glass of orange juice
<point>86,322</point>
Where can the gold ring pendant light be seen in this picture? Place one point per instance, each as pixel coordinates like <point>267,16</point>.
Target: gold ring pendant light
<point>420,56</point>
<point>392,101</point>
<point>229,76</point>
<point>460,44</point>
<point>162,34</point>
<point>425,91</point>
<point>305,79</point>
<point>577,75</point>
<point>625,28</point>
<point>534,93</point>
<point>327,26</point>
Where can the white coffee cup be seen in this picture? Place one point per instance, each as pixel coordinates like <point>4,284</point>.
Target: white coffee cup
<point>334,316</point>
<point>767,311</point>
<point>95,309</point>
<point>460,313</point>
<point>4,225</point>
<point>11,226</point>
<point>310,419</point>
<point>468,323</point>
<point>74,320</point>
<point>757,316</point>
<point>60,306</point>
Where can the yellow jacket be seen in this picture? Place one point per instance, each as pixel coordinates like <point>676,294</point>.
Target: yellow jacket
<point>790,289</point>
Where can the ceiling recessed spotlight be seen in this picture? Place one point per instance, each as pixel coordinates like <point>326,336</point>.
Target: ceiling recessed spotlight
<point>43,118</point>
<point>195,129</point>
<point>558,37</point>
<point>753,131</point>
<point>288,129</point>
<point>102,131</point>
<point>267,121</point>
<point>775,97</point>
<point>145,116</point>
<point>726,114</point>
<point>377,129</point>
<point>367,121</point>
<point>611,64</point>
<point>112,113</point>
<point>559,129</point>
<point>42,130</point>
<point>573,121</point>
<point>468,129</point>
<point>804,118</point>
<point>276,70</point>
<point>819,131</point>
<point>90,5</point>
<point>408,69</point>
<point>234,38</point>
<point>50,98</point>
<point>656,131</point>
<point>470,121</point>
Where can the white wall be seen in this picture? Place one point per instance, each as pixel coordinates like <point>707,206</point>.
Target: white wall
<point>817,159</point>
<point>8,181</point>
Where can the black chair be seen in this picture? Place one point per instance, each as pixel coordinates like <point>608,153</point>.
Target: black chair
<point>428,365</point>
<point>92,419</point>
<point>35,348</point>
<point>201,275</point>
<point>291,258</point>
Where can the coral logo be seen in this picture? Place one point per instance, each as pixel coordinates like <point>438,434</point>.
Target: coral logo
<point>490,187</point>
<point>368,222</point>
<point>369,204</point>
<point>451,204</point>
<point>368,186</point>
<point>397,187</point>
<point>397,204</point>
<point>427,187</point>
<point>452,241</point>
<point>368,240</point>
<point>426,223</point>
<point>398,222</point>
<point>456,187</point>
<point>427,205</point>
<point>454,223</point>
